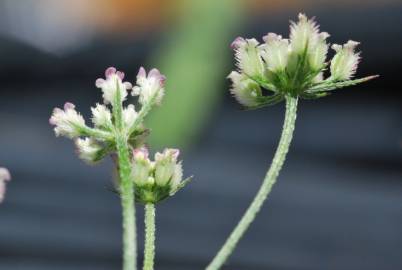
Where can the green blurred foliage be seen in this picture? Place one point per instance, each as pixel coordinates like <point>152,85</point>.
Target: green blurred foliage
<point>193,58</point>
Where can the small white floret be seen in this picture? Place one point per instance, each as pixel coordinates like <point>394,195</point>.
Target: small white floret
<point>142,167</point>
<point>67,122</point>
<point>129,115</point>
<point>244,89</point>
<point>165,166</point>
<point>248,56</point>
<point>318,53</point>
<point>275,52</point>
<point>88,149</point>
<point>101,116</point>
<point>149,87</point>
<point>345,61</point>
<point>303,33</point>
<point>112,83</point>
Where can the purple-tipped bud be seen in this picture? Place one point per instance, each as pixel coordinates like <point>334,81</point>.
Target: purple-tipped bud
<point>67,122</point>
<point>149,87</point>
<point>142,73</point>
<point>113,82</point>
<point>69,106</point>
<point>142,153</point>
<point>109,72</point>
<point>239,41</point>
<point>120,74</point>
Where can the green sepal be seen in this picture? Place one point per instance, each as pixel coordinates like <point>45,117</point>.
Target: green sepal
<point>105,150</point>
<point>182,184</point>
<point>138,137</point>
<point>314,95</point>
<point>265,101</point>
<point>264,84</point>
<point>330,86</point>
<point>153,193</point>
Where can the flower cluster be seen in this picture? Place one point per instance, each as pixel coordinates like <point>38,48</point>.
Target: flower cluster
<point>158,179</point>
<point>154,180</point>
<point>291,67</point>
<point>4,177</point>
<point>95,143</point>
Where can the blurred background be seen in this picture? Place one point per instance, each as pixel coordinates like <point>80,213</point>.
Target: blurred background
<point>338,202</point>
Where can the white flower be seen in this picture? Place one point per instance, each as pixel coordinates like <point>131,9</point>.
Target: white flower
<point>177,176</point>
<point>142,167</point>
<point>247,54</point>
<point>4,177</point>
<point>345,61</point>
<point>114,81</point>
<point>318,52</point>
<point>102,118</point>
<point>165,167</point>
<point>149,86</point>
<point>275,52</point>
<point>305,35</point>
<point>88,149</point>
<point>67,122</point>
<point>302,34</point>
<point>129,115</point>
<point>245,90</point>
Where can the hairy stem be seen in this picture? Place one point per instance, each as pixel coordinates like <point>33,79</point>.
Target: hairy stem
<point>149,251</point>
<point>126,188</point>
<point>128,207</point>
<point>265,189</point>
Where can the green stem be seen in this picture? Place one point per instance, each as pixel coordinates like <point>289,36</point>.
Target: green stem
<point>128,207</point>
<point>265,189</point>
<point>126,187</point>
<point>149,251</point>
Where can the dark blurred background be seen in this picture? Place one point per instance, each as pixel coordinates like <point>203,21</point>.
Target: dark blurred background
<point>338,202</point>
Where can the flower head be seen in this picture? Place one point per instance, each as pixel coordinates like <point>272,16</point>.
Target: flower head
<point>102,117</point>
<point>245,90</point>
<point>149,87</point>
<point>142,167</point>
<point>275,52</point>
<point>4,177</point>
<point>247,54</point>
<point>89,150</point>
<point>158,179</point>
<point>167,170</point>
<point>112,85</point>
<point>303,34</point>
<point>344,63</point>
<point>67,122</point>
<point>290,67</point>
<point>129,115</point>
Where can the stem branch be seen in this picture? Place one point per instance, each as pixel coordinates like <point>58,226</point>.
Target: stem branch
<point>265,189</point>
<point>149,251</point>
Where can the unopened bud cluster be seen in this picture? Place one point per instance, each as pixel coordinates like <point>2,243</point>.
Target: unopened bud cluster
<point>111,120</point>
<point>291,67</point>
<point>158,179</point>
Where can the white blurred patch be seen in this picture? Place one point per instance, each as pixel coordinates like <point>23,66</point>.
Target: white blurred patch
<point>57,27</point>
